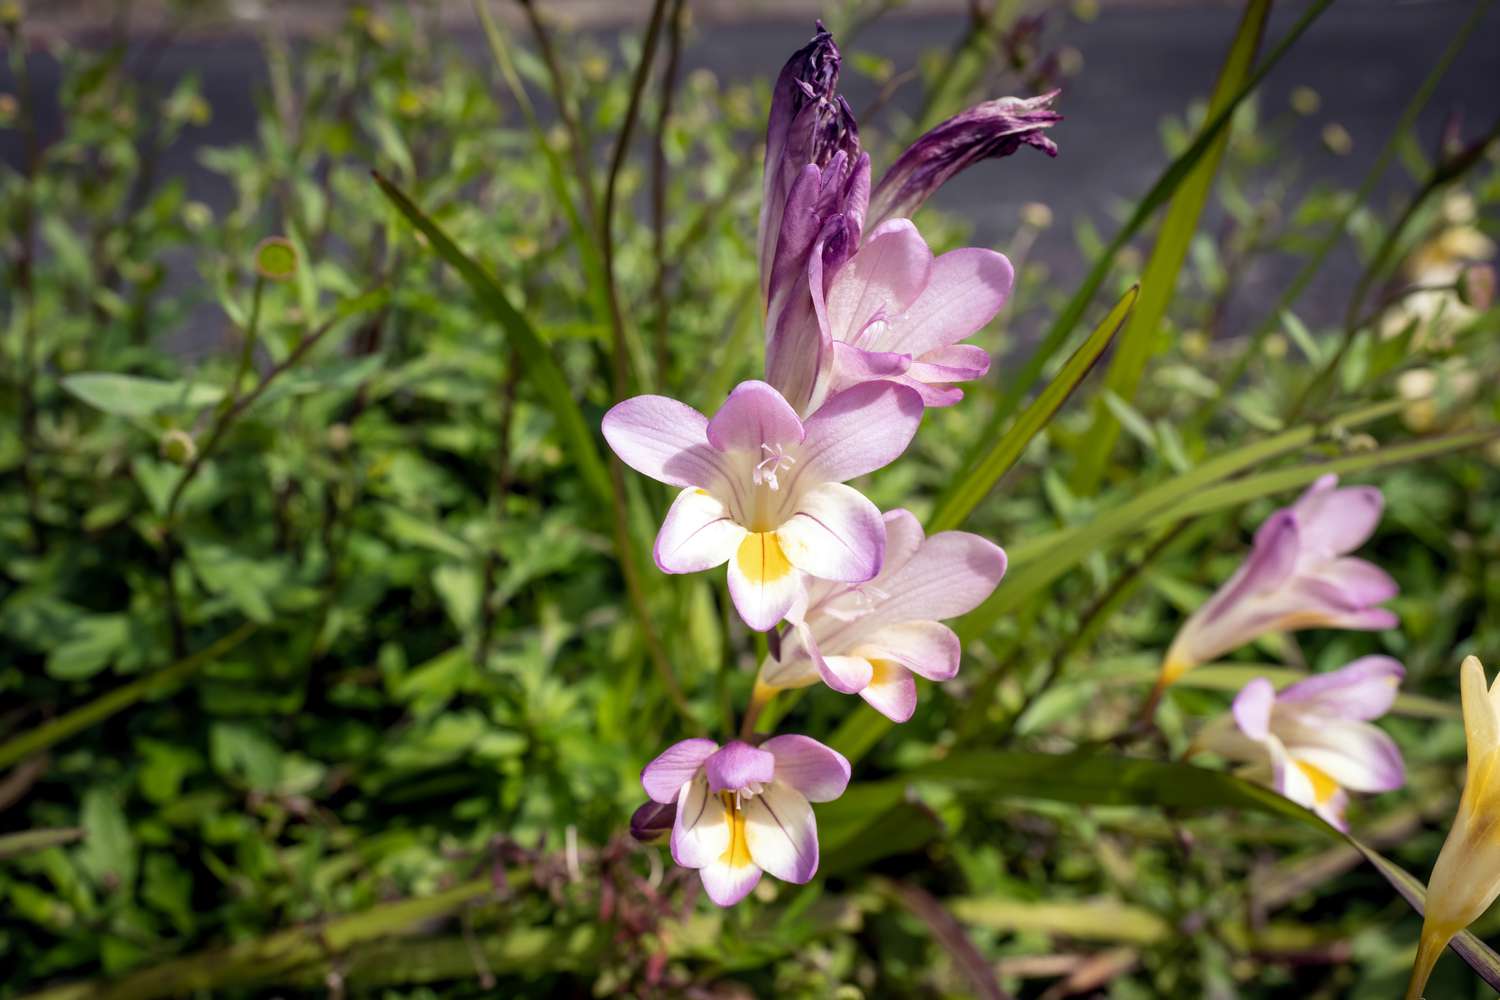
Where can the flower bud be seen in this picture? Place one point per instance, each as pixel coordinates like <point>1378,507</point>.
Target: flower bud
<point>178,447</point>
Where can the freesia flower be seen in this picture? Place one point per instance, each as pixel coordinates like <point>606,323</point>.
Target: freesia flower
<point>1466,878</point>
<point>1298,576</point>
<point>1313,741</point>
<point>764,490</point>
<point>742,810</point>
<point>894,312</point>
<point>813,219</point>
<point>871,638</point>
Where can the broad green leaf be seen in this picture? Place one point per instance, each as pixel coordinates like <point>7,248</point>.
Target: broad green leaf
<point>1159,282</point>
<point>540,367</point>
<point>108,853</point>
<point>90,645</point>
<point>138,395</point>
<point>984,469</point>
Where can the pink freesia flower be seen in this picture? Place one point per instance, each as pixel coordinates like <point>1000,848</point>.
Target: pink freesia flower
<point>764,490</point>
<point>742,810</point>
<point>871,638</point>
<point>902,314</point>
<point>1313,741</point>
<point>1298,576</point>
<point>896,312</point>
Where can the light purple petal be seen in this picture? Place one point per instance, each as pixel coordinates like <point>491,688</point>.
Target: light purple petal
<point>1357,755</point>
<point>926,648</point>
<point>799,350</point>
<point>892,691</point>
<point>727,884</point>
<point>1352,583</point>
<point>845,674</point>
<point>1335,521</point>
<point>1252,708</point>
<point>994,128</point>
<point>698,533</point>
<point>662,438</point>
<point>1364,689</point>
<point>1271,563</point>
<point>834,534</point>
<point>950,575</point>
<point>701,834</point>
<point>782,833</point>
<point>820,773</point>
<point>879,282</point>
<point>956,363</point>
<point>851,366</point>
<point>1364,620</point>
<point>753,416</point>
<point>964,291</point>
<point>903,539</point>
<point>736,766</point>
<point>857,431</point>
<point>674,767</point>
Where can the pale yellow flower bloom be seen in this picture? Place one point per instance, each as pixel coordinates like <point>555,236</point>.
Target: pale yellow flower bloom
<point>1466,878</point>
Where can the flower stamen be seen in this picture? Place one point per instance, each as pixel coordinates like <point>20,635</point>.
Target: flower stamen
<point>765,471</point>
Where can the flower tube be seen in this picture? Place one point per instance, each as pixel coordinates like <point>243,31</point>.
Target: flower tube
<point>764,490</point>
<point>1313,741</point>
<point>871,639</point>
<point>1466,878</point>
<point>1299,575</point>
<point>743,810</point>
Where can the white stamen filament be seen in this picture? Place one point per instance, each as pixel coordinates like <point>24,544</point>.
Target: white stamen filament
<point>764,473</point>
<point>748,792</point>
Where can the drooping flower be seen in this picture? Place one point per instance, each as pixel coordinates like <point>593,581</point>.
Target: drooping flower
<point>992,129</point>
<point>871,638</point>
<point>1298,576</point>
<point>1466,878</point>
<point>763,490</point>
<point>813,219</point>
<point>1313,741</point>
<point>895,312</point>
<point>742,810</point>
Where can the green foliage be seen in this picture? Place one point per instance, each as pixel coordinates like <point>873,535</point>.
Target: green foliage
<point>322,663</point>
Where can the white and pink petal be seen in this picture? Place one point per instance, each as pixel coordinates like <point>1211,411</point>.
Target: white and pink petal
<point>698,533</point>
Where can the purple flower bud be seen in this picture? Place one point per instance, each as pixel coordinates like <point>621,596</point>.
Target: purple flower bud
<point>994,128</point>
<point>652,822</point>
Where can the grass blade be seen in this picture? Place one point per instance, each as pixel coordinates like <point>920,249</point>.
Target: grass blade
<point>986,467</point>
<point>1159,282</point>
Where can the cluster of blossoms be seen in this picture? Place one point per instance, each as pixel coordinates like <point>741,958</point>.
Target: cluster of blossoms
<point>863,332</point>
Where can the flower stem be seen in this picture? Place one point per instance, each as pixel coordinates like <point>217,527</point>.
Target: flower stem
<point>759,699</point>
<point>1429,950</point>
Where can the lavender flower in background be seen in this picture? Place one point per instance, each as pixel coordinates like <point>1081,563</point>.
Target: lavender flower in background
<point>992,129</point>
<point>1298,576</point>
<point>742,810</point>
<point>1466,878</point>
<point>1313,741</point>
<point>764,490</point>
<point>870,639</point>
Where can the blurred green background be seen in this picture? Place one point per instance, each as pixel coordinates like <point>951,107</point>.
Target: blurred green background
<point>319,671</point>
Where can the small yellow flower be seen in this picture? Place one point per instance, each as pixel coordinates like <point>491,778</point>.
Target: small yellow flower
<point>1466,878</point>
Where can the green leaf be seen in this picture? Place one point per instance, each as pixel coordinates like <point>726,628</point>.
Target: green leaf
<point>108,854</point>
<point>138,395</point>
<point>90,645</point>
<point>1159,282</point>
<point>28,841</point>
<point>984,469</point>
<point>540,367</point>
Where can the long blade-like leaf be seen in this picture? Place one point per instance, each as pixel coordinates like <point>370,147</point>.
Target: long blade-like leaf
<point>984,470</point>
<point>541,369</point>
<point>1159,281</point>
<point>1166,185</point>
<point>43,736</point>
